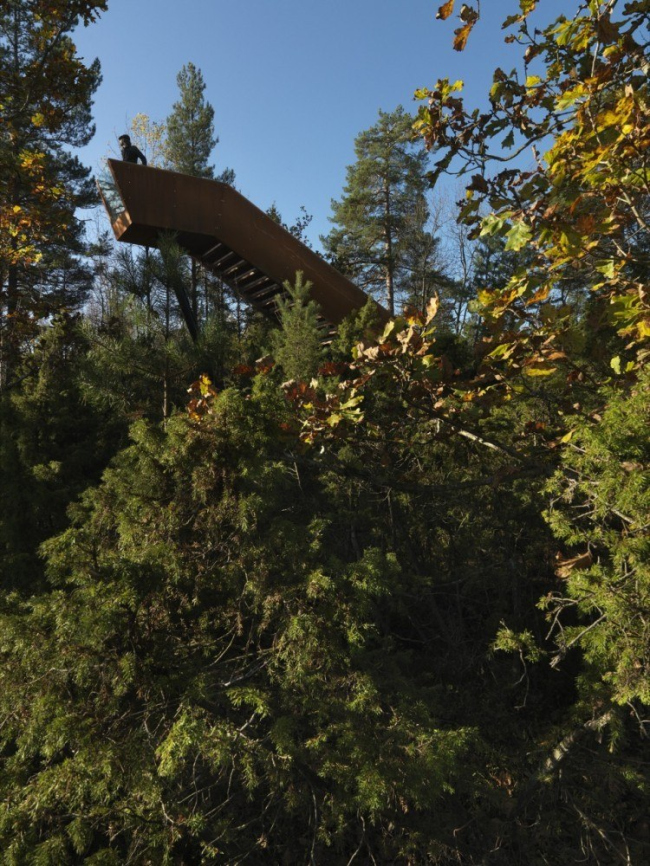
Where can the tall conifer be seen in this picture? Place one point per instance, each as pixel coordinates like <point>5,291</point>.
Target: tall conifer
<point>191,139</point>
<point>45,99</point>
<point>190,126</point>
<point>298,344</point>
<point>374,218</point>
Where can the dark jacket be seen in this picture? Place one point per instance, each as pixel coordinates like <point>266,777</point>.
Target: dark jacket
<point>130,153</point>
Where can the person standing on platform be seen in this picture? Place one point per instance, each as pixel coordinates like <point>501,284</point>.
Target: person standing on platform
<point>130,153</point>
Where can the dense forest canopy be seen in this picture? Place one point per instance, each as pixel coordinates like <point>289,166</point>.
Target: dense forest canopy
<point>269,598</point>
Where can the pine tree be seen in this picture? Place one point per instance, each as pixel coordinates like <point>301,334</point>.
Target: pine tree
<point>190,127</point>
<point>54,443</point>
<point>375,217</point>
<point>142,357</point>
<point>599,509</point>
<point>190,142</point>
<point>298,344</point>
<point>45,100</point>
<point>298,228</point>
<point>214,657</point>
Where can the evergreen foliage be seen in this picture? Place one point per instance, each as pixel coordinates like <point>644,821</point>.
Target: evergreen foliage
<point>190,126</point>
<point>190,140</point>
<point>383,208</point>
<point>600,508</point>
<point>299,227</point>
<point>53,445</point>
<point>45,98</point>
<point>361,326</point>
<point>297,346</point>
<point>141,357</point>
<point>231,678</point>
<point>394,610</point>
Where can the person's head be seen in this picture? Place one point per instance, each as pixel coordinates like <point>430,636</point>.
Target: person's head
<point>124,140</point>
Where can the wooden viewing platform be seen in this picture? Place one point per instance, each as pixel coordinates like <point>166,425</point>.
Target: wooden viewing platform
<point>227,235</point>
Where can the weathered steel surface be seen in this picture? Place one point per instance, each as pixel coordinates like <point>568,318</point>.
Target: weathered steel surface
<point>231,237</point>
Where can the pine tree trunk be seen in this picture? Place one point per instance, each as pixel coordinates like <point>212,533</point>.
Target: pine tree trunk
<point>10,351</point>
<point>166,370</point>
<point>147,265</point>
<point>194,290</point>
<point>388,247</point>
<point>390,299</point>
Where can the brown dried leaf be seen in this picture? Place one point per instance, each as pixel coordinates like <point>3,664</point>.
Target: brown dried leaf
<point>432,309</point>
<point>607,32</point>
<point>462,34</point>
<point>468,15</point>
<point>445,10</point>
<point>479,183</point>
<point>566,566</point>
<point>631,466</point>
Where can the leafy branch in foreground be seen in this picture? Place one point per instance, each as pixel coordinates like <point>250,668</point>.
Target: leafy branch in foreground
<point>582,211</point>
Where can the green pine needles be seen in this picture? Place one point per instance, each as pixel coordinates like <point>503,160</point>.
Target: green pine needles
<point>297,346</point>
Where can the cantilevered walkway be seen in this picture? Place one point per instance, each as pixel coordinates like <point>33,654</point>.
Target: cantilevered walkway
<point>227,234</point>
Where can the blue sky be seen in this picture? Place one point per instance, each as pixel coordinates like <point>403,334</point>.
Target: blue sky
<point>292,82</point>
